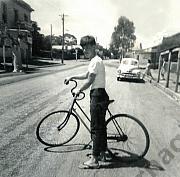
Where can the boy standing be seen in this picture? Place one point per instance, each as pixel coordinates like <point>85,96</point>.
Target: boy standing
<point>95,77</point>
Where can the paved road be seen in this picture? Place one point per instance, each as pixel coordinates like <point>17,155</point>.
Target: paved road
<point>24,103</point>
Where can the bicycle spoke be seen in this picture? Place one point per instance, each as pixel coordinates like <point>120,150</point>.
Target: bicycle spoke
<point>124,127</point>
<point>133,142</point>
<point>128,146</point>
<point>56,128</point>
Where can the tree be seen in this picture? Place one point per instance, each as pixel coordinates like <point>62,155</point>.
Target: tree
<point>70,39</point>
<point>123,37</point>
<point>46,44</point>
<point>37,39</point>
<point>56,40</point>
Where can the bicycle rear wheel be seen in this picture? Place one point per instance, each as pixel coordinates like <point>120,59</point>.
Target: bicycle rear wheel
<point>127,137</point>
<point>57,128</point>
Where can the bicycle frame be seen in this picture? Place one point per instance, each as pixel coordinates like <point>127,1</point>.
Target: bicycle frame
<point>116,131</point>
<point>82,121</point>
<point>72,109</point>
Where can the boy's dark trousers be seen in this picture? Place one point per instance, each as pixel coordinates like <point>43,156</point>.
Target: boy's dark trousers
<point>98,106</point>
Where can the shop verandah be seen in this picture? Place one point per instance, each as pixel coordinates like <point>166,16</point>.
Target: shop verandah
<point>171,57</point>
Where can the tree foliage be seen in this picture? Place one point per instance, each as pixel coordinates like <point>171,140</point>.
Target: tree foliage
<point>46,44</point>
<point>123,37</point>
<point>37,39</point>
<point>70,39</point>
<point>56,40</point>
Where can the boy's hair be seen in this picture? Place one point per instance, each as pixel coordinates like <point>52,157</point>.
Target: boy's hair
<point>87,40</point>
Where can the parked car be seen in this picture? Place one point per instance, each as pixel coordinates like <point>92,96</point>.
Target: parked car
<point>129,69</point>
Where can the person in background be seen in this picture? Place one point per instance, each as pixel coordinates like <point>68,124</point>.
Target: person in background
<point>95,78</point>
<point>163,69</point>
<point>148,70</point>
<point>16,55</point>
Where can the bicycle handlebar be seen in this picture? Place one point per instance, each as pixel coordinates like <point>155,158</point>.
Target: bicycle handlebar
<point>76,96</point>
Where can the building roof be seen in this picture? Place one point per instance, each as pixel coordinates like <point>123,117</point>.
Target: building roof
<point>24,4</point>
<point>170,42</point>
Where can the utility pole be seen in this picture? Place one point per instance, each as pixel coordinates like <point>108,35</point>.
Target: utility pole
<point>62,39</point>
<point>51,43</point>
<point>62,61</point>
<point>4,47</point>
<point>4,54</point>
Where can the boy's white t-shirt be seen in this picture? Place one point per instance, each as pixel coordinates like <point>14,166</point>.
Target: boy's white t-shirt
<point>96,67</point>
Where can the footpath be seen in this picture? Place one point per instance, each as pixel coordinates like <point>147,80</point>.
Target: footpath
<point>170,90</point>
<point>41,67</point>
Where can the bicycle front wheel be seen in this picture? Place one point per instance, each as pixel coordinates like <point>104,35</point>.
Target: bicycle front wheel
<point>57,128</point>
<point>127,137</point>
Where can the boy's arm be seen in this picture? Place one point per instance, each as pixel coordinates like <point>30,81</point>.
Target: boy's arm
<point>89,81</point>
<point>79,76</point>
<point>87,84</point>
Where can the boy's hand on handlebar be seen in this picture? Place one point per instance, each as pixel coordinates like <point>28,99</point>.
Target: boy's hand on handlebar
<point>76,92</point>
<point>66,81</point>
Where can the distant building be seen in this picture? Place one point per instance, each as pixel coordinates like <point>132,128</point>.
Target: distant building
<point>143,55</point>
<point>170,45</point>
<point>153,53</point>
<point>170,42</point>
<point>15,20</point>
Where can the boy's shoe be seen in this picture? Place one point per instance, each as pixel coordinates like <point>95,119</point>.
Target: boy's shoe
<point>102,157</point>
<point>90,164</point>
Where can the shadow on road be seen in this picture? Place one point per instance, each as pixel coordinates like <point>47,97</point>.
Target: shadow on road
<point>68,148</point>
<point>119,162</point>
<point>115,162</point>
<point>33,65</point>
<point>43,63</point>
<point>141,81</point>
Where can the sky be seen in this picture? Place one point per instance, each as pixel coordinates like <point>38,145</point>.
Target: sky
<point>153,19</point>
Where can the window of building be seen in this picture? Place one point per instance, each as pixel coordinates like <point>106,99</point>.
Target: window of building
<point>4,12</point>
<point>16,15</point>
<point>25,18</point>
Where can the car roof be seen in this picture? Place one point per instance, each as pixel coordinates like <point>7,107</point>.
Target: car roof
<point>130,59</point>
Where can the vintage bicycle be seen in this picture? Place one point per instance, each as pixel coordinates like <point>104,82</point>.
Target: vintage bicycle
<point>126,135</point>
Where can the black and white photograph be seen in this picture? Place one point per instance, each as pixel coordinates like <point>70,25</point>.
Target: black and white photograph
<point>89,88</point>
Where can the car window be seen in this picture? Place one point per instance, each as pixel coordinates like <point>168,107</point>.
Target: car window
<point>134,62</point>
<point>125,62</point>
